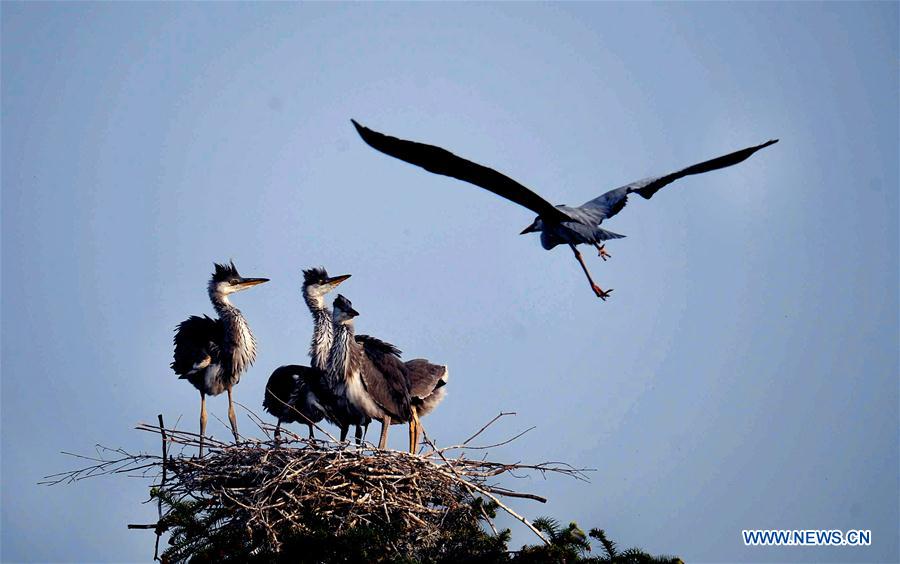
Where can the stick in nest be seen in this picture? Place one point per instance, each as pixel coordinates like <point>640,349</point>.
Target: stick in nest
<point>270,489</point>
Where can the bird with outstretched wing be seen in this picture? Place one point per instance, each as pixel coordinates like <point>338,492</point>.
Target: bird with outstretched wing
<point>560,224</point>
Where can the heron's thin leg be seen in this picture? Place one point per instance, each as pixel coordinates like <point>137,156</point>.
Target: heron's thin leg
<point>385,425</point>
<point>344,430</point>
<point>278,430</point>
<point>311,435</point>
<point>358,435</point>
<point>232,417</point>
<point>416,428</point>
<point>202,420</point>
<point>601,251</point>
<point>597,289</point>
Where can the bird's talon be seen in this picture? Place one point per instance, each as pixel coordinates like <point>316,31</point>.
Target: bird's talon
<point>601,252</point>
<point>601,293</point>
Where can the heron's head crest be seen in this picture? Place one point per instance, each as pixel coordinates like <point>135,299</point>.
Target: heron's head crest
<point>317,283</point>
<point>226,280</point>
<point>225,272</point>
<point>315,275</point>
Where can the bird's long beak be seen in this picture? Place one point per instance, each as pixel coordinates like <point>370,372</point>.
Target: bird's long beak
<point>352,312</point>
<point>530,229</point>
<point>250,282</point>
<point>336,280</point>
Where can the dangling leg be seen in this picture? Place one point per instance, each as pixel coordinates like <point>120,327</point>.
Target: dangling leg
<point>278,431</point>
<point>385,425</point>
<point>602,251</point>
<point>358,435</point>
<point>415,427</point>
<point>311,436</point>
<point>202,420</point>
<point>597,289</point>
<point>344,430</point>
<point>232,417</point>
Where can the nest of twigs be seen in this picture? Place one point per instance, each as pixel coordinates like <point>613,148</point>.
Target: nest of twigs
<point>266,491</point>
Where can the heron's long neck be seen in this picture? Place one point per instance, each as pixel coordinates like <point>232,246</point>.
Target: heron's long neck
<point>340,357</point>
<point>239,343</point>
<point>323,332</point>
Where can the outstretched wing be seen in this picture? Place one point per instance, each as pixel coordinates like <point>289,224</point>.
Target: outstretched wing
<point>612,202</point>
<point>197,341</point>
<point>440,161</point>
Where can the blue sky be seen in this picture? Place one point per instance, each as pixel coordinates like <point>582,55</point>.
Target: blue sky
<point>743,375</point>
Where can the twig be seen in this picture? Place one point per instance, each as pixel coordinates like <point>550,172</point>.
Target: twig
<point>162,484</point>
<point>472,486</point>
<point>488,424</point>
<point>510,493</point>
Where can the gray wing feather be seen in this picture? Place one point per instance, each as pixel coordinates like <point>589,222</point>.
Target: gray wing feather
<point>612,202</point>
<point>375,347</point>
<point>443,162</point>
<point>387,381</point>
<point>424,377</point>
<point>427,384</point>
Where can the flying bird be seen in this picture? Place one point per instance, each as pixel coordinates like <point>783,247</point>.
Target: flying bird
<point>212,354</point>
<point>559,224</point>
<point>290,396</point>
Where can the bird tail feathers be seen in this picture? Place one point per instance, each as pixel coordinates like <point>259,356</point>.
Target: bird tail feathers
<point>604,235</point>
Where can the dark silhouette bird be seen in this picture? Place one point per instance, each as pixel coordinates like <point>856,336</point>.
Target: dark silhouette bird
<point>375,384</point>
<point>291,398</point>
<point>558,224</point>
<point>212,354</point>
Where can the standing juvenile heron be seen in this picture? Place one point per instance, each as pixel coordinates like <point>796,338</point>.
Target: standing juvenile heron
<point>316,285</point>
<point>378,385</point>
<point>427,389</point>
<point>427,381</point>
<point>291,396</point>
<point>212,354</point>
<point>558,224</point>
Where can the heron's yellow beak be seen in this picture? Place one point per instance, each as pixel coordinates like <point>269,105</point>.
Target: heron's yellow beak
<point>250,282</point>
<point>335,281</point>
<point>530,229</point>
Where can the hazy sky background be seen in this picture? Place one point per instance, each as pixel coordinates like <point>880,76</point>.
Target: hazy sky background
<point>743,375</point>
